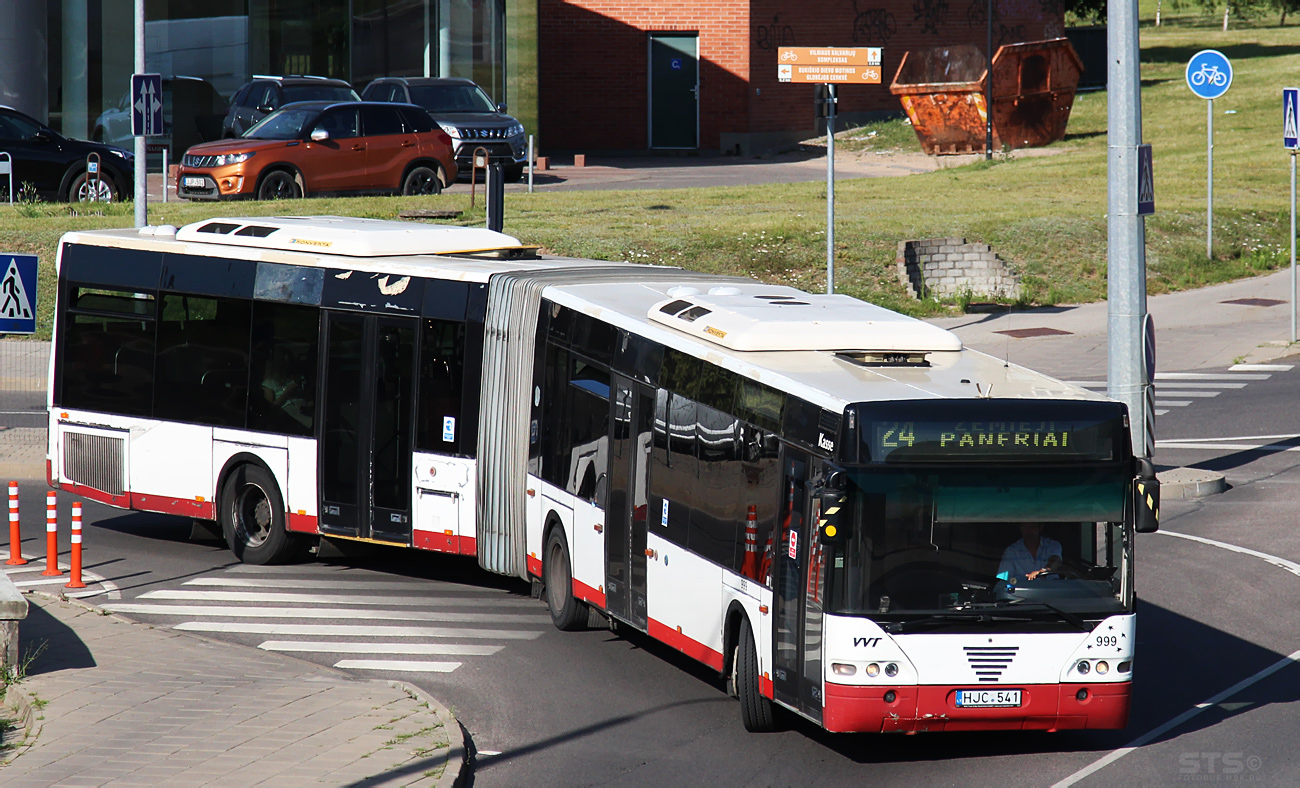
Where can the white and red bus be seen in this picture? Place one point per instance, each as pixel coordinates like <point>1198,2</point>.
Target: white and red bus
<point>813,495</point>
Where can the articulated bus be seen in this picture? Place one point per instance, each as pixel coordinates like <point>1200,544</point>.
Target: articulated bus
<point>848,515</point>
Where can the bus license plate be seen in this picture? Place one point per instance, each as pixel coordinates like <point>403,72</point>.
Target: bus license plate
<point>972,698</point>
<point>193,181</point>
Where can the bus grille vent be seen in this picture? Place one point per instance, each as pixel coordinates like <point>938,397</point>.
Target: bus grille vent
<point>989,662</point>
<point>94,461</point>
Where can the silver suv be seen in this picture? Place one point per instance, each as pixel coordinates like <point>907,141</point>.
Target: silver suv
<point>466,113</point>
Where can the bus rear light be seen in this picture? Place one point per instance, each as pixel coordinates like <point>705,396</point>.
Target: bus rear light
<point>1102,668</point>
<point>63,415</point>
<point>891,670</point>
<point>873,670</point>
<point>763,609</point>
<point>449,532</point>
<point>199,498</point>
<point>842,669</point>
<point>1083,667</point>
<point>1125,667</point>
<point>532,493</point>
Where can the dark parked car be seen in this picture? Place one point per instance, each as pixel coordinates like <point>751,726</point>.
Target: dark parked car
<point>466,113</point>
<point>319,147</point>
<point>264,95</point>
<point>56,165</point>
<point>193,112</point>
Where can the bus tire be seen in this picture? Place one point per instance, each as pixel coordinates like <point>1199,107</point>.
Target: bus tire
<point>567,613</point>
<point>756,711</point>
<point>252,518</point>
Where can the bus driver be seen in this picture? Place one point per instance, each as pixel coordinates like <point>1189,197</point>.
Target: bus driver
<point>1031,556</point>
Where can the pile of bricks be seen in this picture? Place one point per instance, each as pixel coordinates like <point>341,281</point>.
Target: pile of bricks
<point>950,267</point>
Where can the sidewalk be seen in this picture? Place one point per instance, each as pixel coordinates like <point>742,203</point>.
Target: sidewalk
<point>115,702</point>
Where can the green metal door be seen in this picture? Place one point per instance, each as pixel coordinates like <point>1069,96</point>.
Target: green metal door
<point>674,91</point>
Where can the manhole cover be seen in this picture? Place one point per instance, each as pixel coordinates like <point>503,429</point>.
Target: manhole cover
<point>1026,333</point>
<point>1254,301</point>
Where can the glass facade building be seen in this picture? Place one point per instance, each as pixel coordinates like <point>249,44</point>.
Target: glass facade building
<point>88,48</point>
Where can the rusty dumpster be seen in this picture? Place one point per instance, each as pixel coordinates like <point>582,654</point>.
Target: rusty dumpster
<point>942,91</point>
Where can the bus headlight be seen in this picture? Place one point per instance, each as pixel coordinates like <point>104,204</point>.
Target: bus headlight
<point>1083,667</point>
<point>891,670</point>
<point>1102,668</point>
<point>873,670</point>
<point>843,669</point>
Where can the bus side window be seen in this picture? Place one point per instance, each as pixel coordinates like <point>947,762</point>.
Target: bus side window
<point>201,370</point>
<point>108,351</point>
<point>442,360</point>
<point>283,368</point>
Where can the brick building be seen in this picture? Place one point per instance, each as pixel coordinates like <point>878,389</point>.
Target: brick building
<point>619,75</point>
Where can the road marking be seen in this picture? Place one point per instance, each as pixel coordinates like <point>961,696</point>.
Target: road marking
<point>1181,393</point>
<point>340,585</point>
<point>1110,758</point>
<point>1095,766</point>
<point>340,647</point>
<point>336,599</point>
<point>326,612</point>
<point>1261,367</point>
<point>1161,411</point>
<point>350,630</point>
<point>49,581</point>
<point>1173,403</point>
<point>1198,385</point>
<point>1280,563</point>
<point>397,664</point>
<point>1290,436</point>
<point>1206,446</point>
<point>1208,376</point>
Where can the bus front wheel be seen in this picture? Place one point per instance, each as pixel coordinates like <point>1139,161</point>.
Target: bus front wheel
<point>566,612</point>
<point>756,711</point>
<point>252,518</point>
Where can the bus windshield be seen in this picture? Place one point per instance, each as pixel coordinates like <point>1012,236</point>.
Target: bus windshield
<point>955,541</point>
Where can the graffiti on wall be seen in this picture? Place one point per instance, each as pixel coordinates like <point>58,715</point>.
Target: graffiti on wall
<point>874,25</point>
<point>775,35</point>
<point>931,14</point>
<point>1011,34</point>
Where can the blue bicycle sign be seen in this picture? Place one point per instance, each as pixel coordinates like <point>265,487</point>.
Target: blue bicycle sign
<point>1209,74</point>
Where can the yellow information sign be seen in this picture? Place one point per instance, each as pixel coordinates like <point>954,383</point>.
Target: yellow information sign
<point>825,65</point>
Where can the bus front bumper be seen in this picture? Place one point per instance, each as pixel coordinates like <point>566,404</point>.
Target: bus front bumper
<point>914,709</point>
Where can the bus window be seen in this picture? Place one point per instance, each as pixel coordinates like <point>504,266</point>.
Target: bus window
<point>442,356</point>
<point>283,368</point>
<point>588,433</point>
<point>201,371</point>
<point>107,353</point>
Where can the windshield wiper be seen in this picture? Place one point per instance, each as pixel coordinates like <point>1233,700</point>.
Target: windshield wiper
<point>1069,618</point>
<point>903,627</point>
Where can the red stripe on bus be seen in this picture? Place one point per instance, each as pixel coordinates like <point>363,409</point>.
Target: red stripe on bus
<point>588,594</point>
<point>122,501</point>
<point>444,543</point>
<point>684,644</point>
<point>534,566</point>
<point>164,504</point>
<point>1044,707</point>
<point>302,523</point>
<point>49,475</point>
<point>765,687</point>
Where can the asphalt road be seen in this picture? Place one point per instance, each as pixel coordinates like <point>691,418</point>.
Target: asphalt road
<point>600,708</point>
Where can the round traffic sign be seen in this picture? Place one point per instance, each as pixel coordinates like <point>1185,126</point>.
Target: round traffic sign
<point>1209,74</point>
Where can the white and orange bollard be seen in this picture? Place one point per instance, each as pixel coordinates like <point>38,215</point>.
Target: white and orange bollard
<point>15,530</point>
<point>74,581</point>
<point>51,535</point>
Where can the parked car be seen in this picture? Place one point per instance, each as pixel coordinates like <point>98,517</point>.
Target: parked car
<point>57,166</point>
<point>264,95</point>
<point>466,113</point>
<point>323,147</point>
<point>193,112</point>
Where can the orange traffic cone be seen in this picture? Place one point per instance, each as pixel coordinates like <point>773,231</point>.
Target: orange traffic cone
<point>749,568</point>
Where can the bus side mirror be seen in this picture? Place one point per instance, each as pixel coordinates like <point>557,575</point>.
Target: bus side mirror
<point>832,525</point>
<point>1146,498</point>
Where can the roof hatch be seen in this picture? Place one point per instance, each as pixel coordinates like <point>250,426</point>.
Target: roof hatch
<point>763,317</point>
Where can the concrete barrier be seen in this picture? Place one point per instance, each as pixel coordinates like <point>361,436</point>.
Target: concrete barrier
<point>13,609</point>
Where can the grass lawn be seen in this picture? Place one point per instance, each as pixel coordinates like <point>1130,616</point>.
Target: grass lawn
<point>1045,215</point>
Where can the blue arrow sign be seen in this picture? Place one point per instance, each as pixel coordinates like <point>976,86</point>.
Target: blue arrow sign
<point>1290,121</point>
<point>146,105</point>
<point>1209,74</point>
<point>18,294</point>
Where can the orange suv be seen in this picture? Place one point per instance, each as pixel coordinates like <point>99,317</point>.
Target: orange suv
<point>321,147</point>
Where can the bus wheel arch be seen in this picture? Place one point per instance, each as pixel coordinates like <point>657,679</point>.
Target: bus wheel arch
<point>567,612</point>
<point>250,510</point>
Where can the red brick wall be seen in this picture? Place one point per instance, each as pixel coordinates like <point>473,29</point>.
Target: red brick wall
<point>593,59</point>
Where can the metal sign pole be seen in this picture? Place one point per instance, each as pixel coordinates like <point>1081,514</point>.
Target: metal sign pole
<point>1209,179</point>
<point>1293,282</point>
<point>830,189</point>
<point>141,150</point>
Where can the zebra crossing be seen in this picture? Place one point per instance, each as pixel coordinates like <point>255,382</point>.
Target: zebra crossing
<point>1180,389</point>
<point>327,613</point>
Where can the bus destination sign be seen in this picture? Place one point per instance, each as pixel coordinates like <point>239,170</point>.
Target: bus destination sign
<point>826,65</point>
<point>935,441</point>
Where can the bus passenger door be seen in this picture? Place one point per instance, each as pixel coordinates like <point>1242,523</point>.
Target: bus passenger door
<point>625,516</point>
<point>796,625</point>
<point>368,384</point>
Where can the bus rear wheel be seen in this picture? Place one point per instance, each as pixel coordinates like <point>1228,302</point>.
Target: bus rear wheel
<point>252,518</point>
<point>567,613</point>
<point>756,711</point>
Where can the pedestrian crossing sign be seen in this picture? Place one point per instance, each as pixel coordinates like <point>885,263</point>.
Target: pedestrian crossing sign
<point>1290,122</point>
<point>1146,182</point>
<point>18,294</point>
